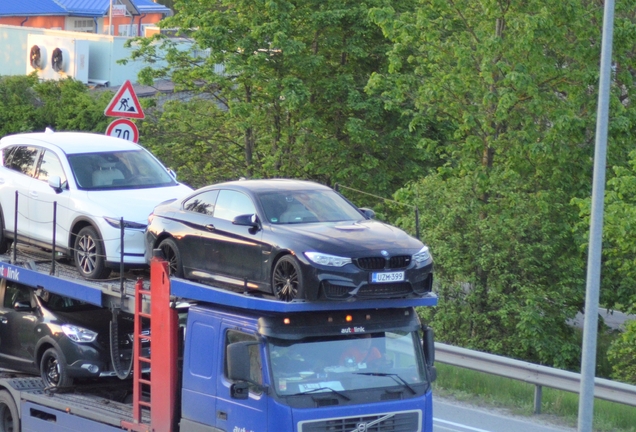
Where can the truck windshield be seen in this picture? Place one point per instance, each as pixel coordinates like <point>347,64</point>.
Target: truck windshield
<point>343,363</point>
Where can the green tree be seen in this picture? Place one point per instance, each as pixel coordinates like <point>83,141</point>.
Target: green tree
<point>28,105</point>
<point>292,90</point>
<point>515,82</point>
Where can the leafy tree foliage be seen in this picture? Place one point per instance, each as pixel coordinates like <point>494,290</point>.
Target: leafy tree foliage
<point>28,105</point>
<point>622,354</point>
<point>291,94</point>
<point>516,84</point>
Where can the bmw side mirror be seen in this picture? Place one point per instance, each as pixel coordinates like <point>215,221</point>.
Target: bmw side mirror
<point>56,183</point>
<point>249,220</point>
<point>367,212</point>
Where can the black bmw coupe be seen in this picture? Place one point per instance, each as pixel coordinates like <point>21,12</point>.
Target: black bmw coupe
<point>294,239</point>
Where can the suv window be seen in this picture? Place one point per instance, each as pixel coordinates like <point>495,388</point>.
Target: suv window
<point>50,166</point>
<point>230,204</point>
<point>202,203</point>
<point>256,373</point>
<point>23,159</point>
<point>16,293</point>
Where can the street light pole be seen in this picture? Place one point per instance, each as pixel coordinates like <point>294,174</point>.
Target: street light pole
<point>590,325</point>
<point>110,17</point>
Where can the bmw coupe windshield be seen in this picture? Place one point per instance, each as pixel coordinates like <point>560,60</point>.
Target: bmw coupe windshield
<point>295,207</point>
<point>118,170</point>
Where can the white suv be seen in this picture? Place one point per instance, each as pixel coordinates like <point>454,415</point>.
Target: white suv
<point>94,182</point>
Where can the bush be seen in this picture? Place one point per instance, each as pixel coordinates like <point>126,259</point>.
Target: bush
<point>622,355</point>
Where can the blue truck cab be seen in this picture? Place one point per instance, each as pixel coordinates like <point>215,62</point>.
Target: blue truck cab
<point>302,370</point>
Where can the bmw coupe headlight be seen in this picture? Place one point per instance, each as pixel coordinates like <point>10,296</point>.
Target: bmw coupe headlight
<point>127,224</point>
<point>327,260</point>
<point>422,256</point>
<point>78,334</point>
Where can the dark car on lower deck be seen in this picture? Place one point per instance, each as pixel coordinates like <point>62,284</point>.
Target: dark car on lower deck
<point>57,337</point>
<point>293,239</point>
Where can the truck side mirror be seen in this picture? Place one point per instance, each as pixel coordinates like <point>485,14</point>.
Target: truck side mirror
<point>238,369</point>
<point>428,343</point>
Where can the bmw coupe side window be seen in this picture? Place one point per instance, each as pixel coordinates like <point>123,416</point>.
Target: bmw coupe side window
<point>23,159</point>
<point>231,204</point>
<point>50,166</point>
<point>202,203</point>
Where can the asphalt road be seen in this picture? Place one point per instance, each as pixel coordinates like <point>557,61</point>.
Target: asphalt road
<point>452,416</point>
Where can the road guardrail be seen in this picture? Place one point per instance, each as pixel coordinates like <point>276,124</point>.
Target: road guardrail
<point>540,376</point>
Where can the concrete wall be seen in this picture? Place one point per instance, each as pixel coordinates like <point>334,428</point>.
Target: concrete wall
<point>104,52</point>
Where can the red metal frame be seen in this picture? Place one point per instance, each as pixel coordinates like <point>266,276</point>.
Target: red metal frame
<point>164,324</point>
<point>164,328</point>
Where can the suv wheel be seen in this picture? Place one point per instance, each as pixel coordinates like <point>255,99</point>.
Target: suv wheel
<point>53,369</point>
<point>90,257</point>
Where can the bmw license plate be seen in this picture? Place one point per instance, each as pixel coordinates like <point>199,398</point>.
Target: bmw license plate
<point>387,277</point>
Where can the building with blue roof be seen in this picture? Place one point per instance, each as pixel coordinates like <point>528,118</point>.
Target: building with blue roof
<point>112,17</point>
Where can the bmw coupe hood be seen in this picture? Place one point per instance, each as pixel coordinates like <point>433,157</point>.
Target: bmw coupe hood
<point>133,204</point>
<point>351,238</point>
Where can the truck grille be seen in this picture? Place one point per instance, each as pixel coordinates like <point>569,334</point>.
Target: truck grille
<point>379,263</point>
<point>409,421</point>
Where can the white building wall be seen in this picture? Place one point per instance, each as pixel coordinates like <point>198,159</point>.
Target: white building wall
<point>104,51</point>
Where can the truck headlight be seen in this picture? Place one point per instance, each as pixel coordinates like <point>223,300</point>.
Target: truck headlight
<point>422,256</point>
<point>79,334</point>
<point>327,260</point>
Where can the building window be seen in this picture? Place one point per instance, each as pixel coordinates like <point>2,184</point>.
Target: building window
<point>85,25</point>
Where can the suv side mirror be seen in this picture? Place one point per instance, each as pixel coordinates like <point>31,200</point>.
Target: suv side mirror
<point>56,183</point>
<point>22,306</point>
<point>370,214</point>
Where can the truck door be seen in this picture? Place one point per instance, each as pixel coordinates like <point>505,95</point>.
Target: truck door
<point>243,415</point>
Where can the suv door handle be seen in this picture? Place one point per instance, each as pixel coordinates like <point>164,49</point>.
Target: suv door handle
<point>210,227</point>
<point>34,194</point>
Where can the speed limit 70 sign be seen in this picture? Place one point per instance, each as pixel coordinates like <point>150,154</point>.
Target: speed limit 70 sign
<point>123,128</point>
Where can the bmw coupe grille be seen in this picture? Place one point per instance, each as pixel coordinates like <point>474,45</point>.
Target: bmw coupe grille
<point>379,263</point>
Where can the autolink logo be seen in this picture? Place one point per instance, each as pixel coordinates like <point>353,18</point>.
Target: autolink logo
<point>9,273</point>
<point>350,330</point>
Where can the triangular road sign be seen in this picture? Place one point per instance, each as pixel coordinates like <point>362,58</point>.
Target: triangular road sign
<point>125,103</point>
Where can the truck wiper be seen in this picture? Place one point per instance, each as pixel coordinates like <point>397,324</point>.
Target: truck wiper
<point>398,379</point>
<point>320,389</point>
